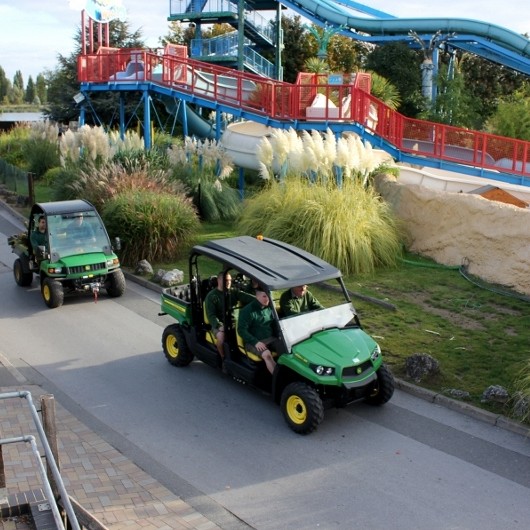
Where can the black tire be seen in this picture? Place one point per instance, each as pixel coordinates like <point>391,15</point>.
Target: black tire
<point>22,277</point>
<point>52,292</point>
<point>383,389</point>
<point>175,347</point>
<point>116,284</point>
<point>302,407</point>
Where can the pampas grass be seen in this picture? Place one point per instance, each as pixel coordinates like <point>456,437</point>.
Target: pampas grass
<point>351,227</point>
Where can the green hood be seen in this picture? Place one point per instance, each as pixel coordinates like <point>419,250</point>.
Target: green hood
<point>337,347</point>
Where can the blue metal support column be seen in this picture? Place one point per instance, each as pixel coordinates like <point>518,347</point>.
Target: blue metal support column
<point>122,116</point>
<point>82,115</point>
<point>218,124</point>
<point>147,120</point>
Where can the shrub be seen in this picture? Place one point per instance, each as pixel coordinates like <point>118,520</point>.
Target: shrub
<point>203,168</point>
<point>41,155</point>
<point>152,225</point>
<point>351,227</point>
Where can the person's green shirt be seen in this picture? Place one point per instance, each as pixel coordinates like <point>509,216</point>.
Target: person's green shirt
<point>293,305</point>
<point>37,239</point>
<point>255,323</point>
<point>214,304</point>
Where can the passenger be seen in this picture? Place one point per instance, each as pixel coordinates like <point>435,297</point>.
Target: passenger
<point>214,306</point>
<point>38,237</point>
<point>298,300</point>
<point>79,229</point>
<point>255,327</point>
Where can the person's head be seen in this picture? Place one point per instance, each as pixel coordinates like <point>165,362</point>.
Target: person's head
<point>262,297</point>
<point>224,280</point>
<point>78,219</point>
<point>41,223</point>
<point>299,290</point>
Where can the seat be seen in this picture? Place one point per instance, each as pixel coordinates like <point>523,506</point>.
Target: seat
<point>209,332</point>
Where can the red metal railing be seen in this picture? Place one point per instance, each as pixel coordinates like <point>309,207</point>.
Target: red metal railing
<point>285,101</point>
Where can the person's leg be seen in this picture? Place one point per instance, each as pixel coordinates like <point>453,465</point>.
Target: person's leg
<point>269,360</point>
<point>219,341</point>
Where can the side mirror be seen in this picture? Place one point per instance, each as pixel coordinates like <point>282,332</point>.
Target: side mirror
<point>117,243</point>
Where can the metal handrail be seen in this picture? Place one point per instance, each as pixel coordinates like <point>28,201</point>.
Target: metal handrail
<point>72,519</point>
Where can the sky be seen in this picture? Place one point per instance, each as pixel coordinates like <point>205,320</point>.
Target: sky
<point>34,32</point>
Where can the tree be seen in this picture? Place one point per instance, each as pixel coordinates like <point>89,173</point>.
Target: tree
<point>298,47</point>
<point>488,83</point>
<point>18,80</point>
<point>30,94</point>
<point>454,104</point>
<point>5,85</point>
<point>512,117</point>
<point>63,84</point>
<point>41,90</point>
<point>400,66</point>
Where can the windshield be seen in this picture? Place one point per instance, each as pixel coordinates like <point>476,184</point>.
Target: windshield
<point>77,233</point>
<point>300,327</point>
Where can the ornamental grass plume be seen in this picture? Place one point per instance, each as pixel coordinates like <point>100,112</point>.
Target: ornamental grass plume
<point>350,227</point>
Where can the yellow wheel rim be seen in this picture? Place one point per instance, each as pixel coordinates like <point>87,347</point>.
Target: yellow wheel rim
<point>46,293</point>
<point>296,410</point>
<point>172,346</point>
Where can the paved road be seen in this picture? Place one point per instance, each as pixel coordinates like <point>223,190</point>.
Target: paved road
<point>409,464</point>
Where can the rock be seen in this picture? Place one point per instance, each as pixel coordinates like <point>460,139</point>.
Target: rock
<point>157,278</point>
<point>143,268</point>
<point>172,278</point>
<point>458,394</point>
<point>495,394</point>
<point>420,365</point>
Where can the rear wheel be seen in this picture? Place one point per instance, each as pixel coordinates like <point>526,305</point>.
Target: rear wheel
<point>302,407</point>
<point>116,284</point>
<point>52,292</point>
<point>22,277</point>
<point>175,347</point>
<point>383,389</point>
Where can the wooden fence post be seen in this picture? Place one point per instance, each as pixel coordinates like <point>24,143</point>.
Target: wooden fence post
<point>31,188</point>
<point>50,430</point>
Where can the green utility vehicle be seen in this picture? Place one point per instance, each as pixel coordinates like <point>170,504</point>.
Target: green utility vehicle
<point>325,359</point>
<point>72,254</point>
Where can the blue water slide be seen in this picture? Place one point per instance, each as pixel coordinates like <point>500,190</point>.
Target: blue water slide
<point>196,125</point>
<point>482,38</point>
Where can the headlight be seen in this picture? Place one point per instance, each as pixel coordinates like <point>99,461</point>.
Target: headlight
<point>322,370</point>
<point>55,270</point>
<point>113,262</point>
<point>376,353</point>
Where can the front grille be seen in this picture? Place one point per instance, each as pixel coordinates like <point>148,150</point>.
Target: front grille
<point>356,371</point>
<point>87,268</point>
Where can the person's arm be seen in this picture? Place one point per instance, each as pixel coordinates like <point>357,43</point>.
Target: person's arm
<point>289,305</point>
<point>312,302</point>
<point>210,309</point>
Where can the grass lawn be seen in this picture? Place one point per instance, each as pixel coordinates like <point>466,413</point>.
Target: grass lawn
<point>479,337</point>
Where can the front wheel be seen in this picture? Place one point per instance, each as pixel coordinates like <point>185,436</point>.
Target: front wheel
<point>52,292</point>
<point>21,277</point>
<point>383,389</point>
<point>116,284</point>
<point>175,347</point>
<point>301,407</point>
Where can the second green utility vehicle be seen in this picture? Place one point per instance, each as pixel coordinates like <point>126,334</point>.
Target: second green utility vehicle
<point>72,253</point>
<point>324,358</point>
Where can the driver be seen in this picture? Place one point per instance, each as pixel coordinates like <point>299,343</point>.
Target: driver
<point>298,300</point>
<point>79,229</point>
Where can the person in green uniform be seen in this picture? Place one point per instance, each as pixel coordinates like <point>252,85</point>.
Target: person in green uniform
<point>38,236</point>
<point>214,306</point>
<point>298,300</point>
<point>255,327</point>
